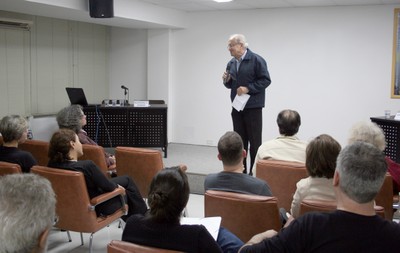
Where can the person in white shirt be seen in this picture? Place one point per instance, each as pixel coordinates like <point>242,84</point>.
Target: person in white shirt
<point>321,155</point>
<point>287,146</point>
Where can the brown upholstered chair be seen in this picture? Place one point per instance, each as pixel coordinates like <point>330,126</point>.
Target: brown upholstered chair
<point>1,140</point>
<point>116,246</point>
<point>96,154</point>
<point>324,206</point>
<point>385,197</point>
<point>9,168</point>
<point>243,214</point>
<point>141,164</point>
<point>75,210</point>
<point>39,150</point>
<point>281,177</point>
<point>313,205</point>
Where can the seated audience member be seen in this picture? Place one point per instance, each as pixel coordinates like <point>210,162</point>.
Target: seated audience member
<point>27,213</point>
<point>354,226</point>
<point>321,155</point>
<point>232,178</point>
<point>370,132</point>
<point>168,196</point>
<point>14,130</point>
<point>64,150</point>
<point>286,147</point>
<point>72,117</point>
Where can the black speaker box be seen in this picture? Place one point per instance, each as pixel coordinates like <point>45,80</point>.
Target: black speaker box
<point>101,8</point>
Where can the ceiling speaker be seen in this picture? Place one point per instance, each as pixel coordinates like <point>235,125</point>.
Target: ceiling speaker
<point>101,8</point>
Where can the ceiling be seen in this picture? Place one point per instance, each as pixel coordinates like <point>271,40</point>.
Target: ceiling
<point>210,5</point>
<point>150,14</point>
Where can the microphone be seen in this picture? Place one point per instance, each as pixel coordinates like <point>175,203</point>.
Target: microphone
<point>124,87</point>
<point>228,68</point>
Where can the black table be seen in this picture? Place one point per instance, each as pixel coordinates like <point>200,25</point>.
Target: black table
<point>112,126</point>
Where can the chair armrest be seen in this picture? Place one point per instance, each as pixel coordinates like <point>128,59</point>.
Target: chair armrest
<point>106,196</point>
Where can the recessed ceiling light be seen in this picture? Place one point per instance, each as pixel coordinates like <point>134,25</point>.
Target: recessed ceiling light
<point>222,1</point>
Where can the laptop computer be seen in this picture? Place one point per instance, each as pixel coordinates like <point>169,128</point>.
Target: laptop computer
<point>76,96</point>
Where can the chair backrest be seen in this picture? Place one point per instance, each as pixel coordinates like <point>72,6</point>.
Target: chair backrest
<point>39,150</point>
<point>116,246</point>
<point>312,205</point>
<point>96,154</point>
<point>281,177</point>
<point>385,197</point>
<point>243,214</point>
<point>324,206</point>
<point>9,168</point>
<point>141,164</point>
<point>1,140</point>
<point>72,199</point>
<point>73,204</point>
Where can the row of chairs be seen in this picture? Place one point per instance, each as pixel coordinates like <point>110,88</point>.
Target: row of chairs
<point>246,215</point>
<point>74,208</point>
<point>246,220</point>
<point>140,164</point>
<point>76,212</point>
<point>253,214</point>
<point>282,177</point>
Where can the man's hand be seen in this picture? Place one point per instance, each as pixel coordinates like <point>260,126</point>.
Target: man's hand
<point>262,236</point>
<point>242,90</point>
<point>259,238</point>
<point>226,77</point>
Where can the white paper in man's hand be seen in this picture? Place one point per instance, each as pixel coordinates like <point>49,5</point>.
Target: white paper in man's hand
<point>240,102</point>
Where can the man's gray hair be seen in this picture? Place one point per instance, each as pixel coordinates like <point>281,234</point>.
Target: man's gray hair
<point>12,127</point>
<point>362,168</point>
<point>369,132</point>
<point>239,39</point>
<point>27,209</point>
<point>70,118</point>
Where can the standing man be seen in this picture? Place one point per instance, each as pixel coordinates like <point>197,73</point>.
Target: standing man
<point>247,73</point>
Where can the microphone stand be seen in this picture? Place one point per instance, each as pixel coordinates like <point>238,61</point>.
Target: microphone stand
<point>126,92</point>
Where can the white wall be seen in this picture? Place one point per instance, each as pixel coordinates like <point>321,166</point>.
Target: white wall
<point>332,64</point>
<point>128,63</point>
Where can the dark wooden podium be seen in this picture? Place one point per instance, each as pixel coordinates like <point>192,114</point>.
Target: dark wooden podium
<point>391,128</point>
<point>112,126</point>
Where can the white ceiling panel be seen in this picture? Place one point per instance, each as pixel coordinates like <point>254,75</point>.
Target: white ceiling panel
<point>210,5</point>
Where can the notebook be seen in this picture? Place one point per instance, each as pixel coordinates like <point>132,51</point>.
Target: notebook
<point>76,96</point>
<point>212,224</point>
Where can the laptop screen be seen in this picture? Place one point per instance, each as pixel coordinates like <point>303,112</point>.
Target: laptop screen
<point>76,96</point>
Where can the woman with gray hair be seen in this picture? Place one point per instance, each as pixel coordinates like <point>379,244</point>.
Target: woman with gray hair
<point>14,130</point>
<point>72,117</point>
<point>371,133</point>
